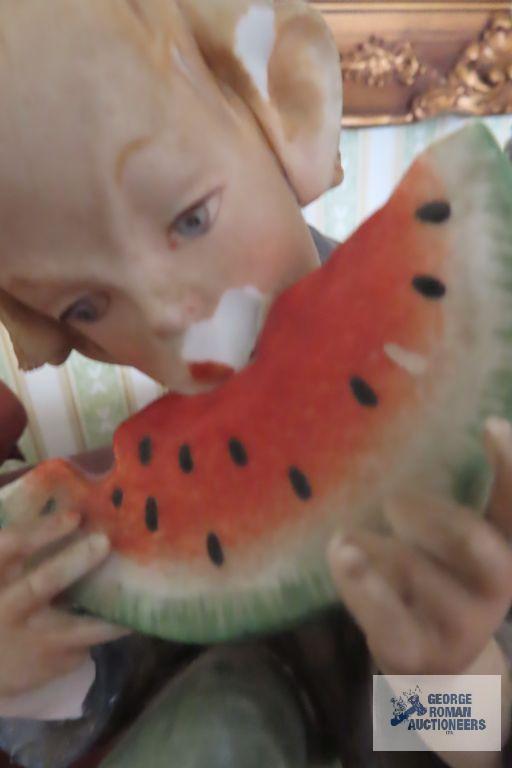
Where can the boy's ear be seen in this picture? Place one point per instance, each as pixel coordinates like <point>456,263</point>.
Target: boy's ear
<point>36,339</point>
<point>281,59</point>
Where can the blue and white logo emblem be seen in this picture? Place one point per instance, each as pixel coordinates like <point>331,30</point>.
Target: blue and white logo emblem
<point>438,713</point>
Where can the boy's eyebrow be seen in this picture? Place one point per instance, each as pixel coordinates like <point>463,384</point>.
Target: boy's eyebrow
<point>127,151</point>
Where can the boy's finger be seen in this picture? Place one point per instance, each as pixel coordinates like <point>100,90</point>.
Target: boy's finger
<point>394,636</point>
<point>498,443</point>
<point>426,588</point>
<point>466,545</point>
<point>455,624</point>
<point>83,633</point>
<point>11,549</point>
<point>20,542</point>
<point>40,586</point>
<point>49,530</point>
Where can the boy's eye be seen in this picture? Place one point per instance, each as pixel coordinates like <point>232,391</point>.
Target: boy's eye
<point>88,309</point>
<point>198,220</point>
<point>194,222</point>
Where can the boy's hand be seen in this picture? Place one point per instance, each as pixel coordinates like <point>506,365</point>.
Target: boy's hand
<point>430,596</point>
<point>39,642</point>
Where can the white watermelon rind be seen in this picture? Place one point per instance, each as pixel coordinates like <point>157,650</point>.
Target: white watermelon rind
<point>208,618</point>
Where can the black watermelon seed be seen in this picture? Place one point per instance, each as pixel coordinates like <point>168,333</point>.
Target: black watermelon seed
<point>186,460</point>
<point>145,451</point>
<point>300,483</point>
<point>215,551</point>
<point>238,452</point>
<point>117,497</point>
<point>435,212</point>
<point>429,287</point>
<point>152,514</point>
<point>363,393</point>
<point>49,507</point>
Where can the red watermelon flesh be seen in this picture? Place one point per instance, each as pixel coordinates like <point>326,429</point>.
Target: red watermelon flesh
<point>372,374</point>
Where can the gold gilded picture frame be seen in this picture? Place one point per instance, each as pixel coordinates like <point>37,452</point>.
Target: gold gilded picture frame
<point>409,61</point>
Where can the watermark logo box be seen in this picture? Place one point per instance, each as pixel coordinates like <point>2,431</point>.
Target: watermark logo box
<point>449,713</point>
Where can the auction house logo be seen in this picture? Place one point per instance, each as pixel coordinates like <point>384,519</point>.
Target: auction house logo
<point>449,713</point>
<point>446,712</point>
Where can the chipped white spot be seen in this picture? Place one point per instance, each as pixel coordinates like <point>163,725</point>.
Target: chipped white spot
<point>255,38</point>
<point>412,362</point>
<point>229,336</point>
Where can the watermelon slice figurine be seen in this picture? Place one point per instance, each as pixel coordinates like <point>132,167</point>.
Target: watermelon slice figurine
<point>372,373</point>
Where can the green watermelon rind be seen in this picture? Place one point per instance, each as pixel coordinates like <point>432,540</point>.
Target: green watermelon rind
<point>205,620</point>
<point>472,475</point>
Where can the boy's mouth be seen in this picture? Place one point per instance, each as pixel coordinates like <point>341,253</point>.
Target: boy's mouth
<point>210,373</point>
<point>215,348</point>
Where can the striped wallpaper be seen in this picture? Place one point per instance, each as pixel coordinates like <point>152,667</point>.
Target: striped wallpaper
<point>78,406</point>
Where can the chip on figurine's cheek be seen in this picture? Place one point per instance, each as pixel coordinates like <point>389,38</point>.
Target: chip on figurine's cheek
<point>223,343</point>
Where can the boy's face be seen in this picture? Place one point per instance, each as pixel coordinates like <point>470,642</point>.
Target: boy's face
<point>133,192</point>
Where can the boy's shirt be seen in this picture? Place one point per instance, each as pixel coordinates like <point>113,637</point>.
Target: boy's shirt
<point>324,245</point>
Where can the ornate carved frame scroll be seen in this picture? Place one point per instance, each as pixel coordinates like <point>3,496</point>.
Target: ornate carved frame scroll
<point>408,61</point>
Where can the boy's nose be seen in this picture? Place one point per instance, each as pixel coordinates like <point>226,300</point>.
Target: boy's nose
<point>169,323</point>
<point>163,329</point>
